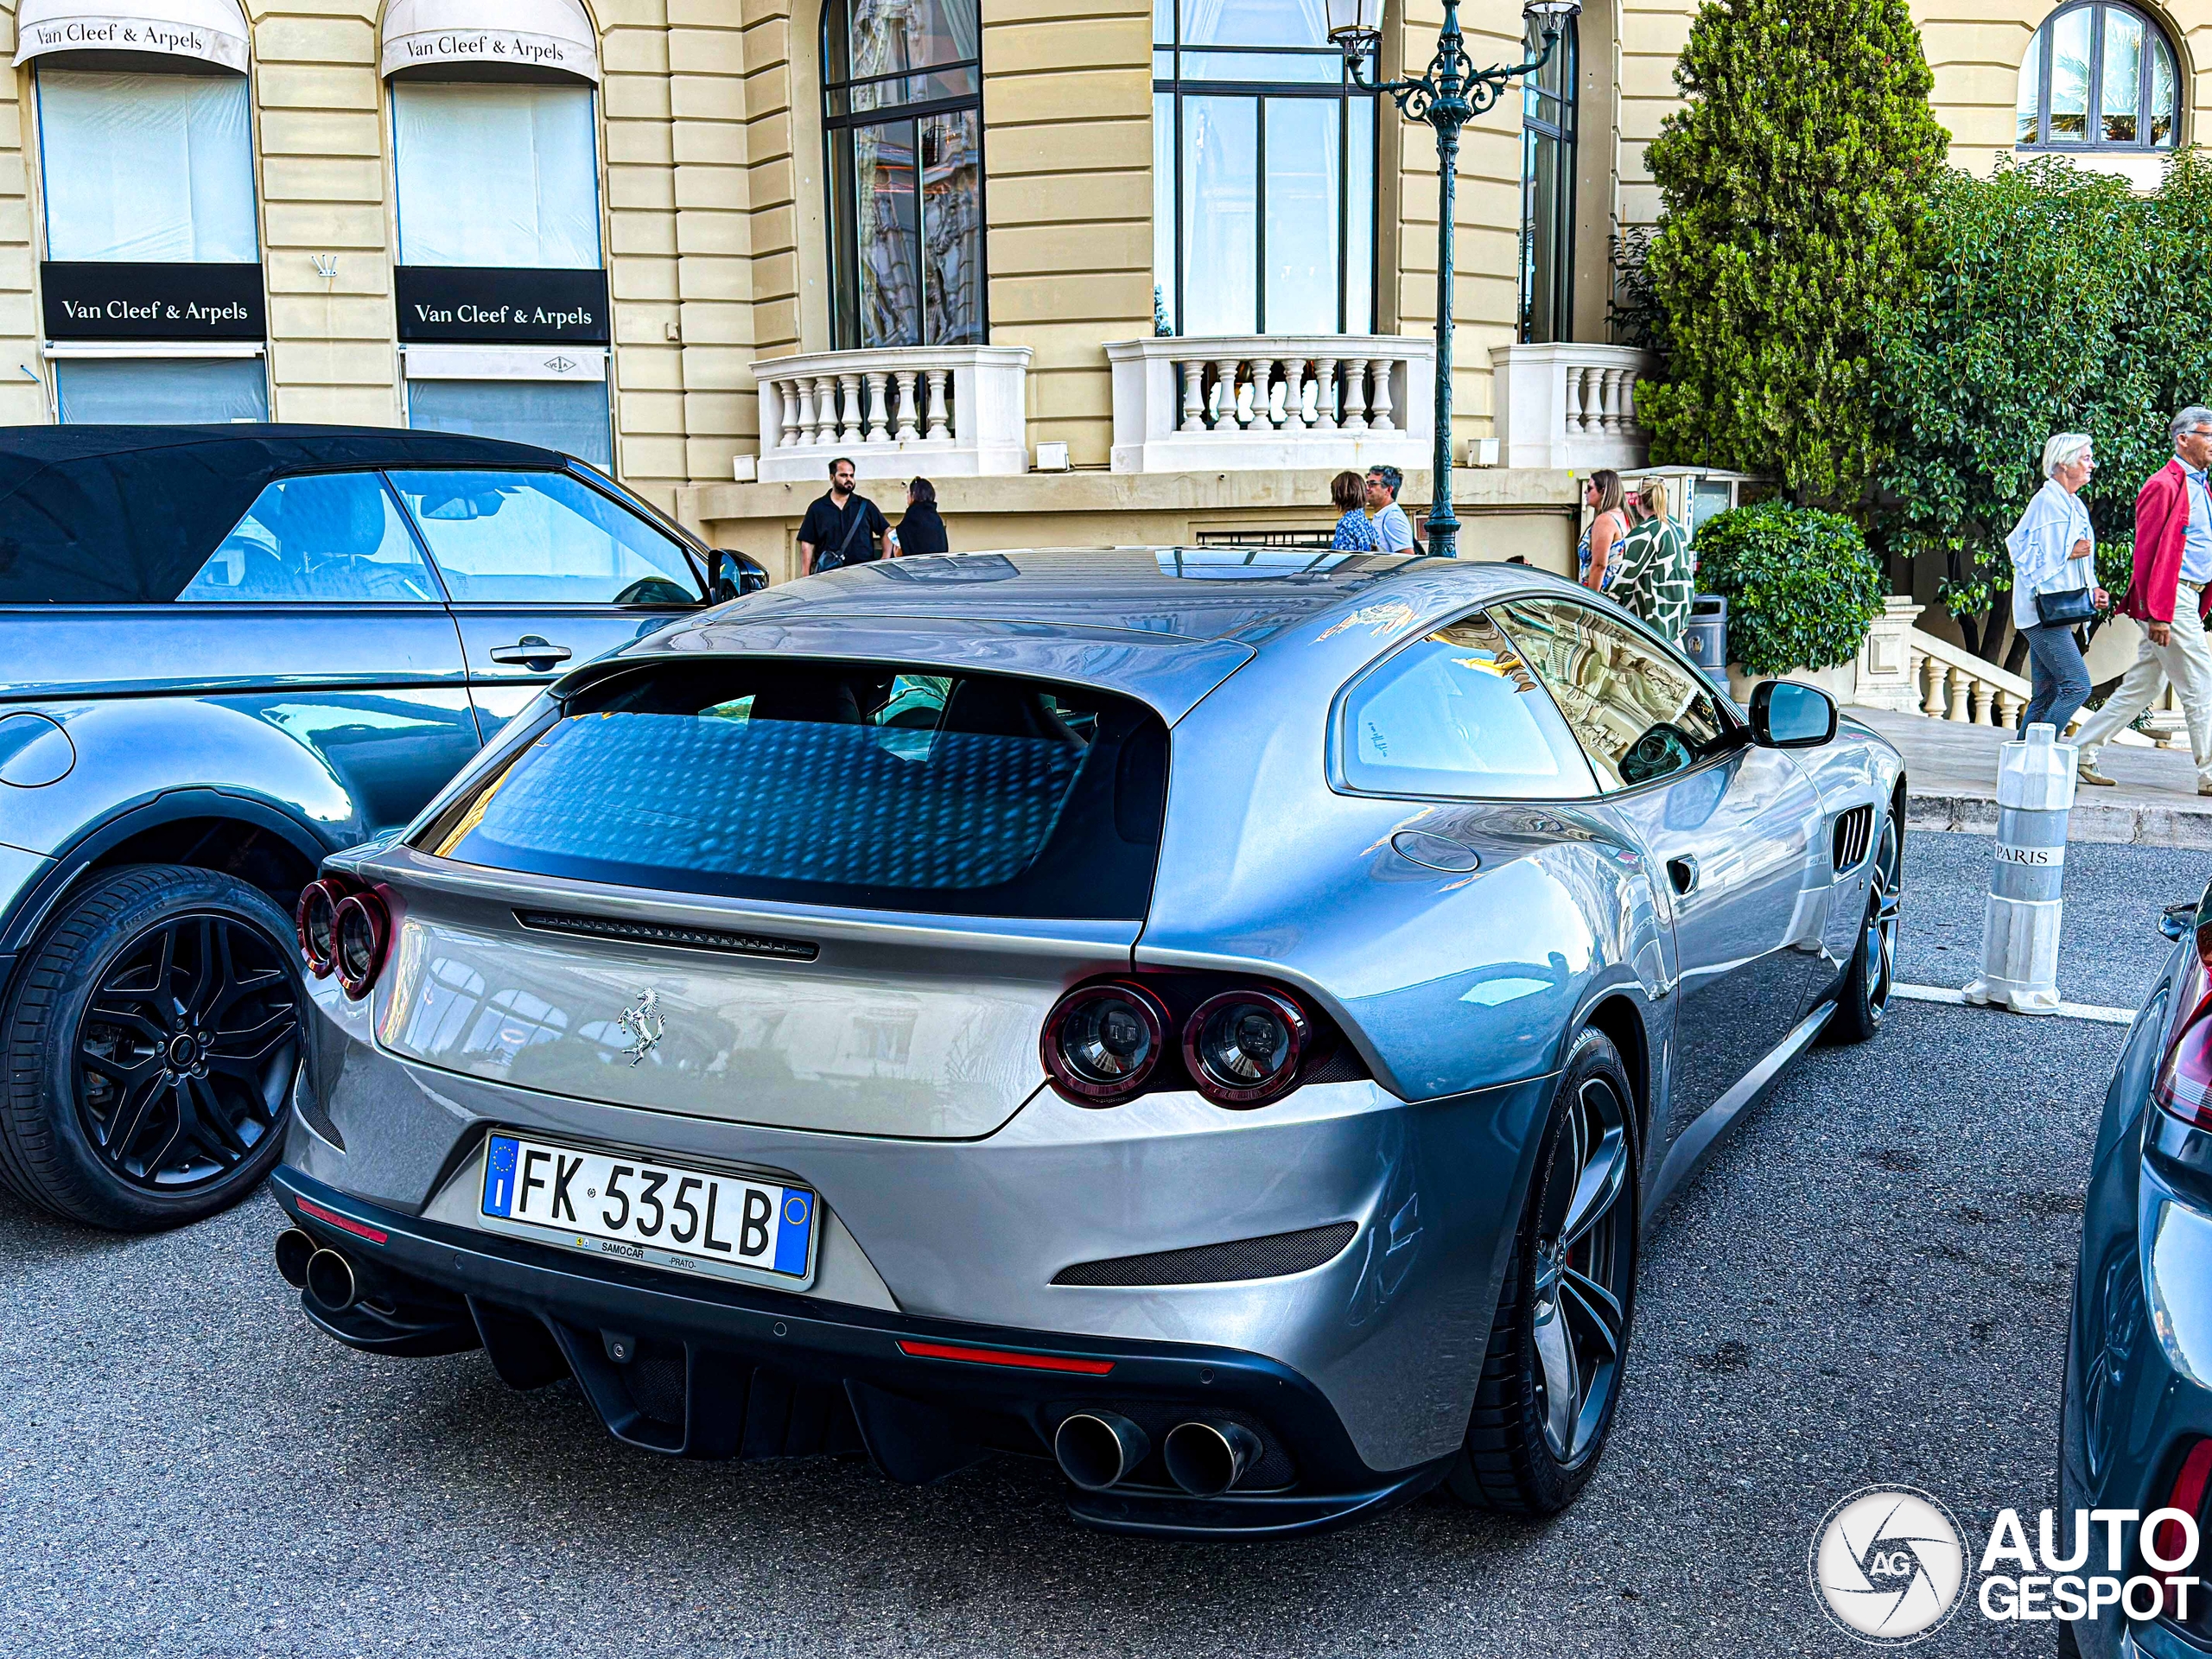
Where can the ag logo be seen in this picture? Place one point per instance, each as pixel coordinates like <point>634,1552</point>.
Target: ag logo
<point>1887,1563</point>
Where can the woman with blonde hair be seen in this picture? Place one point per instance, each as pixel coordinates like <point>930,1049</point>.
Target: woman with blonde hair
<point>2055,590</point>
<point>1655,567</point>
<point>1594,557</point>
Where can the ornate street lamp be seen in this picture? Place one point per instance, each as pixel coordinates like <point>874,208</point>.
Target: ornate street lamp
<point>1451,93</point>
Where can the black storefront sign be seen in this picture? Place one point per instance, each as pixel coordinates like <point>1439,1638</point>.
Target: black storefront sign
<point>100,300</point>
<point>480,306</point>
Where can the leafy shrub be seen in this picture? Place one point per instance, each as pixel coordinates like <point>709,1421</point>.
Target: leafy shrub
<point>1801,587</point>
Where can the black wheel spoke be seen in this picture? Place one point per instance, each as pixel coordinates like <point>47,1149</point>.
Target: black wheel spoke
<point>179,1047</point>
<point>1592,1309</point>
<point>1597,1190</point>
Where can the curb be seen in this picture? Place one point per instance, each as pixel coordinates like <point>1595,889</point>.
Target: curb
<point>2131,824</point>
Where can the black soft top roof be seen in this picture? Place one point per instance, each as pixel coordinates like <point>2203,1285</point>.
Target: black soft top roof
<point>126,515</point>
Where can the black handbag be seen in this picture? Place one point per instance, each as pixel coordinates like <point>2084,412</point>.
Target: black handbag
<point>2068,607</point>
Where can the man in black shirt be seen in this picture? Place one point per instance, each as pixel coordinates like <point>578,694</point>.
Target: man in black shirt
<point>841,528</point>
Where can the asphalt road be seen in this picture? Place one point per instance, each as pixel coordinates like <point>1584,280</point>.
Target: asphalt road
<point>1868,1285</point>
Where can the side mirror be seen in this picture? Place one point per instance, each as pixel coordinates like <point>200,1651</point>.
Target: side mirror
<point>1788,716</point>
<point>2178,921</point>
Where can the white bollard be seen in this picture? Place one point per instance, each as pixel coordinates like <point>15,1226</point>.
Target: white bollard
<point>2020,923</point>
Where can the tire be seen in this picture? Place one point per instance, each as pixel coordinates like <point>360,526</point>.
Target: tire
<point>148,1051</point>
<point>1864,998</point>
<point>1521,1456</point>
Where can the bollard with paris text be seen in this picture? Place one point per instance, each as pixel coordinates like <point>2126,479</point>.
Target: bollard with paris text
<point>2020,923</point>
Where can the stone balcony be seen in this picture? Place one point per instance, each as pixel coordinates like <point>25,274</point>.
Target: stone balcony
<point>1570,406</point>
<point>947,411</point>
<point>1272,402</point>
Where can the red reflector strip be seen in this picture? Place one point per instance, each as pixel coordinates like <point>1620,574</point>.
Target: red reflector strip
<point>1000,1356</point>
<point>344,1223</point>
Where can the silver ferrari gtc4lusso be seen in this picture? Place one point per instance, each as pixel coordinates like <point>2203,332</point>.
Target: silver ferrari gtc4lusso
<point>1222,1020</point>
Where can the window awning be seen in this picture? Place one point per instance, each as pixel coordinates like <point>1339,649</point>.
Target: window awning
<point>214,31</point>
<point>505,39</point>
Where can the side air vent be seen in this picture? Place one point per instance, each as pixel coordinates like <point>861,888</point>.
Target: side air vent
<point>1216,1264</point>
<point>1854,832</point>
<point>683,938</point>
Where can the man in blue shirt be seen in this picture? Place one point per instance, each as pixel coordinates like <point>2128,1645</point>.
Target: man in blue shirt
<point>1391,521</point>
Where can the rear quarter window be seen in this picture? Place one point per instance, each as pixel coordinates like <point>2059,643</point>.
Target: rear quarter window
<point>864,786</point>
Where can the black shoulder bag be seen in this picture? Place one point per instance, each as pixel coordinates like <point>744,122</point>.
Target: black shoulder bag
<point>831,561</point>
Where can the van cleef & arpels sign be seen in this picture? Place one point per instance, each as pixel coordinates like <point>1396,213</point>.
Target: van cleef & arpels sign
<point>488,47</point>
<point>497,306</point>
<point>99,300</point>
<point>38,34</point>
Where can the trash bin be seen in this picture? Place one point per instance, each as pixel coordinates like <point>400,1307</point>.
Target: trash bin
<point>1705,637</point>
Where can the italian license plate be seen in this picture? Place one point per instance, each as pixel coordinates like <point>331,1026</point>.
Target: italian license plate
<point>637,1208</point>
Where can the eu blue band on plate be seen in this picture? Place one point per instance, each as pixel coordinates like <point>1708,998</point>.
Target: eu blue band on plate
<point>794,1225</point>
<point>499,1178</point>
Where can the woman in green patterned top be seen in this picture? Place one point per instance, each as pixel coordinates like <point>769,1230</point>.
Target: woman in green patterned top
<point>1657,569</point>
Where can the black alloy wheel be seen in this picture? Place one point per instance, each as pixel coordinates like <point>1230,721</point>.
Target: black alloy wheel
<point>1864,998</point>
<point>187,1050</point>
<point>164,1012</point>
<point>1551,1377</point>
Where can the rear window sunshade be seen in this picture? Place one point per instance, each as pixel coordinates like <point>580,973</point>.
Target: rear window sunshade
<point>856,785</point>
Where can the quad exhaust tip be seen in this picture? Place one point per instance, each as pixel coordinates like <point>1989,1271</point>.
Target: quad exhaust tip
<point>1097,1449</point>
<point>1208,1456</point>
<point>294,1247</point>
<point>330,1282</point>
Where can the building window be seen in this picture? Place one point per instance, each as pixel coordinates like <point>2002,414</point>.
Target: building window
<point>903,109</point>
<point>1548,194</point>
<point>149,186</point>
<point>501,285</point>
<point>1263,173</point>
<point>2099,76</point>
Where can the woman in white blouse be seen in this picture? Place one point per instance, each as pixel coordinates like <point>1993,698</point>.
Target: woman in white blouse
<point>2054,553</point>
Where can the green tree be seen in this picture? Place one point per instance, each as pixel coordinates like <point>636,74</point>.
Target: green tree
<point>1794,181</point>
<point>2051,300</point>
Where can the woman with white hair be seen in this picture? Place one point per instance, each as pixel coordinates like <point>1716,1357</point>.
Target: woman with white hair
<point>2055,582</point>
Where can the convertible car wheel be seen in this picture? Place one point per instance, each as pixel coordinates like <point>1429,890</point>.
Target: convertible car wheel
<point>150,1047</point>
<point>1552,1376</point>
<point>1864,997</point>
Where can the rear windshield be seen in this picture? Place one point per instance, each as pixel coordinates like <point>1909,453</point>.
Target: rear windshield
<point>855,784</point>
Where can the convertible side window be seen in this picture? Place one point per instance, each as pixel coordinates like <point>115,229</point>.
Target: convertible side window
<point>1459,714</point>
<point>542,539</point>
<point>1638,714</point>
<point>333,536</point>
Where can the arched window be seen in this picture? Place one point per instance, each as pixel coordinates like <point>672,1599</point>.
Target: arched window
<point>1263,173</point>
<point>2099,76</point>
<point>1548,194</point>
<point>903,107</point>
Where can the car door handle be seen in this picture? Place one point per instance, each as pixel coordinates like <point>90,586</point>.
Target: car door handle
<point>529,650</point>
<point>1682,872</point>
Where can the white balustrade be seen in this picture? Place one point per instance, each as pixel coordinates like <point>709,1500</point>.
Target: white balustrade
<point>957,411</point>
<point>1272,401</point>
<point>1950,683</point>
<point>1569,405</point>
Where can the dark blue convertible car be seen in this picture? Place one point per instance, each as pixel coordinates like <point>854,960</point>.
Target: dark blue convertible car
<point>225,652</point>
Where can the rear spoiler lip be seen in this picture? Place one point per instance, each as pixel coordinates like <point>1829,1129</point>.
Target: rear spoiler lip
<point>1169,673</point>
<point>407,870</point>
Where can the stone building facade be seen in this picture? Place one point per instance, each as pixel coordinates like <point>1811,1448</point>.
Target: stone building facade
<point>1120,271</point>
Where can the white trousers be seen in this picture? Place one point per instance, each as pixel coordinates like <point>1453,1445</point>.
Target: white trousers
<point>2186,662</point>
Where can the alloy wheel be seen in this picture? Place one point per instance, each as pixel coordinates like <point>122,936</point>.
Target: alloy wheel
<point>186,1051</point>
<point>1585,1255</point>
<point>1881,941</point>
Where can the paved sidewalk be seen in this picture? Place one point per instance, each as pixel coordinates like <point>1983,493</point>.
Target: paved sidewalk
<point>1951,769</point>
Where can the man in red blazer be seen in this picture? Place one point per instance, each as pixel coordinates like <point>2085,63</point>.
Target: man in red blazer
<point>2170,594</point>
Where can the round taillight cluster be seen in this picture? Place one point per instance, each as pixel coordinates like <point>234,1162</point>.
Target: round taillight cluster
<point>1243,1046</point>
<point>343,933</point>
<point>1104,1044</point>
